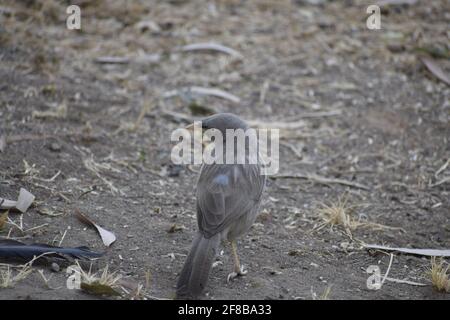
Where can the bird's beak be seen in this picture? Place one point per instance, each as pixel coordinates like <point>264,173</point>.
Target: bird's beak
<point>190,127</point>
<point>197,138</point>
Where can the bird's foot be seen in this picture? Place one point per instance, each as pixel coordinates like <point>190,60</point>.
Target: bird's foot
<point>237,273</point>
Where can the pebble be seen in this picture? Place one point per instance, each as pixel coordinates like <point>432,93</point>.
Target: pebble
<point>55,267</point>
<point>55,147</point>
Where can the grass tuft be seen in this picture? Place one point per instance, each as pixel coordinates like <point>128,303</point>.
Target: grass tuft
<point>439,275</point>
<point>8,278</point>
<point>341,213</point>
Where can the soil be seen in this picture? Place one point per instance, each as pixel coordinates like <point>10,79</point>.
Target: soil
<point>370,113</point>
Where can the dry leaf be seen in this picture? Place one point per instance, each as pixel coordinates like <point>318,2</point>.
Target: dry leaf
<point>25,200</point>
<point>421,252</point>
<point>7,204</point>
<point>435,69</point>
<point>57,112</point>
<point>2,143</point>
<point>174,228</point>
<point>148,25</point>
<point>283,125</point>
<point>112,60</point>
<point>199,110</point>
<point>395,2</point>
<point>99,289</point>
<point>212,47</point>
<point>3,219</point>
<point>203,91</point>
<point>108,237</point>
<point>22,204</point>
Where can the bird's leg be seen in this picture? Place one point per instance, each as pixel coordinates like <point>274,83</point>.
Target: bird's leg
<point>237,264</point>
<point>238,269</point>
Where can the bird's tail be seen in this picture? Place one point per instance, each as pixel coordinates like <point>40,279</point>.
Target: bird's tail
<point>195,273</point>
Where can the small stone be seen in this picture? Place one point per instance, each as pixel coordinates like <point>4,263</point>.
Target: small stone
<point>396,47</point>
<point>55,147</point>
<point>55,267</point>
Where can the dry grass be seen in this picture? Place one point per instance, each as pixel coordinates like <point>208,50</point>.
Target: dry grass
<point>439,275</point>
<point>96,167</point>
<point>109,283</point>
<point>106,277</point>
<point>58,111</point>
<point>8,278</point>
<point>47,280</point>
<point>341,213</point>
<point>324,296</point>
<point>338,213</point>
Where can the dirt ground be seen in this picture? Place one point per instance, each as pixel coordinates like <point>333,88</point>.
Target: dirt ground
<point>366,110</point>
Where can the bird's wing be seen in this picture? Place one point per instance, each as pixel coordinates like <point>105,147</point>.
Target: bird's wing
<point>225,193</point>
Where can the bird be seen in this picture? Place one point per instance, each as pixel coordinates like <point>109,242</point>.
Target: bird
<point>228,197</point>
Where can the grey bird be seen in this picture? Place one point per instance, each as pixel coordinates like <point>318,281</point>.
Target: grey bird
<point>228,200</point>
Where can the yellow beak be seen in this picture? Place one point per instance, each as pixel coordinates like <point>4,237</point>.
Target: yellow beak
<point>190,127</point>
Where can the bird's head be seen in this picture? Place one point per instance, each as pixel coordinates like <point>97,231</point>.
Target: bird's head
<point>223,121</point>
<point>220,122</point>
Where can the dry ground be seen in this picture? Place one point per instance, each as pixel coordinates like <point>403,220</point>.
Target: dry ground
<point>367,110</point>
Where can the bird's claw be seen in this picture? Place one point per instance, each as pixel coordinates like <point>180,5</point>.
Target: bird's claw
<point>235,274</point>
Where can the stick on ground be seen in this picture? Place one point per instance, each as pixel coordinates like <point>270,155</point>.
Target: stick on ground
<point>322,180</point>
